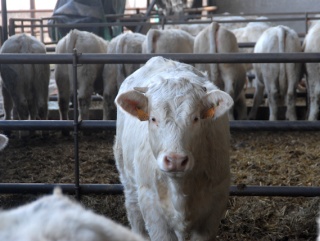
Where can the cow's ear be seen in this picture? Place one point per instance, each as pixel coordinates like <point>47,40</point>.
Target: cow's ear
<point>135,103</point>
<point>217,103</point>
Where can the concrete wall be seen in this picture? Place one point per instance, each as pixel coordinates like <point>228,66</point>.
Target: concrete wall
<point>271,6</point>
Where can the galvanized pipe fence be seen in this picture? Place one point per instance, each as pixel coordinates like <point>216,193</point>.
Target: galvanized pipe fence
<point>75,59</point>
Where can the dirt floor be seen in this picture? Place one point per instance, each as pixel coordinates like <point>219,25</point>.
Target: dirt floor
<point>257,158</point>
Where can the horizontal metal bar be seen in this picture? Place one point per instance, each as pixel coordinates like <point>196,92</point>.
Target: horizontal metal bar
<point>240,45</point>
<point>142,58</point>
<point>56,125</point>
<point>257,125</point>
<point>238,125</point>
<point>93,98</point>
<point>37,188</point>
<point>275,191</point>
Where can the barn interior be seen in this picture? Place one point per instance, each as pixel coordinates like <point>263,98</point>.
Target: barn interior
<point>275,166</point>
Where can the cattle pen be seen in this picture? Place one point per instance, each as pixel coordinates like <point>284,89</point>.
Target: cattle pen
<point>74,184</point>
<point>84,189</point>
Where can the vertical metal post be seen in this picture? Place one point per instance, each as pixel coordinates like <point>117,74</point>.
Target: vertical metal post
<point>150,7</point>
<point>75,126</point>
<point>4,20</point>
<point>306,22</point>
<point>41,31</point>
<point>32,8</point>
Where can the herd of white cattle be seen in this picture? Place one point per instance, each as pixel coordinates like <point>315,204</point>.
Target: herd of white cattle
<point>169,118</point>
<point>28,92</point>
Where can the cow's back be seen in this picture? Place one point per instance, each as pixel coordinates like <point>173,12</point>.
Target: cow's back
<point>26,83</point>
<point>168,41</point>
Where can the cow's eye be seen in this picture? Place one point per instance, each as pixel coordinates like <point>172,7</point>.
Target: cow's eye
<point>153,119</point>
<point>196,119</point>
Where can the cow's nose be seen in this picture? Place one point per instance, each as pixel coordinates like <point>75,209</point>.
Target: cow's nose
<point>175,162</point>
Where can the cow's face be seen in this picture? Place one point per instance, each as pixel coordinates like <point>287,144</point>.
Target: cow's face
<point>176,113</point>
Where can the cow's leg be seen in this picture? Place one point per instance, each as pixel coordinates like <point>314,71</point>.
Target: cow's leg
<point>257,97</point>
<point>7,102</point>
<point>110,90</point>
<point>84,100</point>
<point>63,85</point>
<point>208,228</point>
<point>134,213</point>
<point>291,97</point>
<point>314,104</point>
<point>230,90</point>
<point>21,105</point>
<point>241,106</point>
<point>313,91</point>
<point>273,97</point>
<point>8,106</point>
<point>158,228</point>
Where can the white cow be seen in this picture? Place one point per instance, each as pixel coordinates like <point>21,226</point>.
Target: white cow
<point>25,86</point>
<point>279,79</point>
<point>129,43</point>
<point>57,217</point>
<point>172,151</point>
<point>311,44</point>
<point>191,28</point>
<point>110,85</point>
<point>3,141</point>
<point>114,74</point>
<point>83,42</point>
<point>167,41</point>
<point>230,22</point>
<point>250,34</point>
<point>229,77</point>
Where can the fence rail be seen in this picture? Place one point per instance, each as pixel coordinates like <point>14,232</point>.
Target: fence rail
<point>75,59</point>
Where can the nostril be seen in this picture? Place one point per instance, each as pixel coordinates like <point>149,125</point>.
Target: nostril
<point>175,162</point>
<point>184,162</point>
<point>167,160</point>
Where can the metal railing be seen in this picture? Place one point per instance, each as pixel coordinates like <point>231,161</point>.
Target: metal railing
<point>75,59</point>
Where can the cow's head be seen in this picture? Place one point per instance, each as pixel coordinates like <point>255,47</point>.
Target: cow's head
<point>178,113</point>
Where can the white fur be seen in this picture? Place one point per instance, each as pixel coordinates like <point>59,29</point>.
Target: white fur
<point>312,45</point>
<point>83,42</point>
<point>162,204</point>
<point>279,79</point>
<point>25,86</point>
<point>191,28</point>
<point>167,41</point>
<point>3,141</point>
<point>56,217</point>
<point>114,74</point>
<point>250,34</point>
<point>229,77</point>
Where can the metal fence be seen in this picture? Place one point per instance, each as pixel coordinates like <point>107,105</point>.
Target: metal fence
<point>77,58</point>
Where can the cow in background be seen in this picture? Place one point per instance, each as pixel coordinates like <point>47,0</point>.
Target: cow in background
<point>172,151</point>
<point>279,79</point>
<point>167,41</point>
<point>229,77</point>
<point>25,86</point>
<point>57,217</point>
<point>250,34</point>
<point>114,74</point>
<point>311,44</point>
<point>89,75</point>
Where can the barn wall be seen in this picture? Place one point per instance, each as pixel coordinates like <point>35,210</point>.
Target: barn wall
<point>270,6</point>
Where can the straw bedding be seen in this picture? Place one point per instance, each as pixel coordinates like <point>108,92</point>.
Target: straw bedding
<point>257,158</point>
